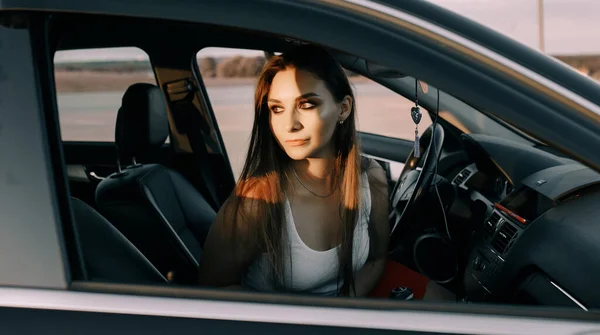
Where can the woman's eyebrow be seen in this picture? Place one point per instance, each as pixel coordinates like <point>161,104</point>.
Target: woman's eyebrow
<point>307,95</point>
<point>303,96</point>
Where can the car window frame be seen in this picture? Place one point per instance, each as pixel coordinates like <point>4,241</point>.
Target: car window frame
<point>196,65</point>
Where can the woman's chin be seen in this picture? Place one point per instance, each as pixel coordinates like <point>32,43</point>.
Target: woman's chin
<point>297,155</point>
<point>298,152</point>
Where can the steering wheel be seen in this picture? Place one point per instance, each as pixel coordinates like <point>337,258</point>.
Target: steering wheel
<point>416,178</point>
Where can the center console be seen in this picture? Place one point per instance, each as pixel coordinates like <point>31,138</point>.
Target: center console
<point>510,217</point>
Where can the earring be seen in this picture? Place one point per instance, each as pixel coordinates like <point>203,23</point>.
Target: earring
<point>341,121</point>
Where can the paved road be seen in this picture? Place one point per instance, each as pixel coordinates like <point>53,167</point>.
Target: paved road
<point>91,116</point>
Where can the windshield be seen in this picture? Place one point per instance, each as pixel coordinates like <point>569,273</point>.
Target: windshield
<point>470,120</point>
<point>461,115</point>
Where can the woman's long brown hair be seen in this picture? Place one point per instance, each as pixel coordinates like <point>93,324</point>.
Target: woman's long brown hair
<point>259,195</point>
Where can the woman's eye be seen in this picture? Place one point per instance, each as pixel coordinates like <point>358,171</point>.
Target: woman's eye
<point>276,109</point>
<point>307,105</point>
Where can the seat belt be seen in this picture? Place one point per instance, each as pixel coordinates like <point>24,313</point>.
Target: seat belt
<point>189,121</point>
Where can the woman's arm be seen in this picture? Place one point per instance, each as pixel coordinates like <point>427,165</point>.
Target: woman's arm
<point>230,246</point>
<point>368,277</point>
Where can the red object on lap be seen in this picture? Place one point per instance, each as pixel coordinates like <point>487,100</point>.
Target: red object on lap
<point>395,275</point>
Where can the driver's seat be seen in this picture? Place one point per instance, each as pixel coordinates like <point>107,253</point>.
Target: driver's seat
<point>107,254</point>
<point>155,207</point>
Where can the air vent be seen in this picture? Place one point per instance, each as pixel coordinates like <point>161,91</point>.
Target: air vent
<point>504,238</point>
<point>462,176</point>
<point>491,223</point>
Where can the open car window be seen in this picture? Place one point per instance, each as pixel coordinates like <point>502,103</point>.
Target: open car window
<point>89,86</point>
<point>230,75</point>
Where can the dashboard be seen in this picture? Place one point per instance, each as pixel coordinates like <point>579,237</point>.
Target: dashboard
<point>537,238</point>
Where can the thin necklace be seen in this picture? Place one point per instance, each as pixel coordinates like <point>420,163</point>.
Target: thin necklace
<point>308,189</point>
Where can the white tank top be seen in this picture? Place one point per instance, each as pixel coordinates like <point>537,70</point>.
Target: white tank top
<point>311,271</point>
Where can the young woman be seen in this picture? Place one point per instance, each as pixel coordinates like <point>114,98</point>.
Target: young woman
<point>309,215</point>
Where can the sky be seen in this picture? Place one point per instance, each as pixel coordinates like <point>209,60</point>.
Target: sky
<point>571,27</point>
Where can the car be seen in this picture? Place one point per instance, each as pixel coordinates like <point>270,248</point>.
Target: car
<point>496,201</point>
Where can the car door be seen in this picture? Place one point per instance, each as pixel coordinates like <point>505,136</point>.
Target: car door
<point>40,274</point>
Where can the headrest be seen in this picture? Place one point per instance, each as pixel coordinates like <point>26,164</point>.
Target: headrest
<point>142,121</point>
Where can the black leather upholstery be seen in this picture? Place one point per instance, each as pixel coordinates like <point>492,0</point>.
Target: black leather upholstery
<point>107,254</point>
<point>142,121</point>
<point>155,207</point>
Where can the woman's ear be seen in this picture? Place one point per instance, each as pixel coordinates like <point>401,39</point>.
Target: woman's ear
<point>346,108</point>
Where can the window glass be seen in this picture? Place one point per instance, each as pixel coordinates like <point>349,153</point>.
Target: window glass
<point>382,111</point>
<point>230,77</point>
<point>89,86</point>
<point>461,115</point>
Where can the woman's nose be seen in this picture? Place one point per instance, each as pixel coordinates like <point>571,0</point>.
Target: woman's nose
<point>293,123</point>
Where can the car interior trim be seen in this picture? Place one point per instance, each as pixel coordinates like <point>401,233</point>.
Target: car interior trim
<point>569,296</point>
<point>243,311</point>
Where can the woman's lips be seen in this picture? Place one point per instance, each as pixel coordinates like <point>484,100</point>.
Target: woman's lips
<point>296,143</point>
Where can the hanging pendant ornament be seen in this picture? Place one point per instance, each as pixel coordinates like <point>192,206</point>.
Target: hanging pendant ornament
<point>416,115</point>
<point>415,112</point>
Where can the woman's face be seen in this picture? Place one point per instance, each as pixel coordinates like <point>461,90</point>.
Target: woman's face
<point>303,114</point>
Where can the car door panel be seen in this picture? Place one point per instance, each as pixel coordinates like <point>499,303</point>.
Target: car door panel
<point>77,312</point>
<point>72,322</point>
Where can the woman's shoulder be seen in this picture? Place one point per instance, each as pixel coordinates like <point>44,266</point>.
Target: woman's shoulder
<point>251,199</point>
<point>245,209</point>
<point>375,173</point>
<point>258,189</point>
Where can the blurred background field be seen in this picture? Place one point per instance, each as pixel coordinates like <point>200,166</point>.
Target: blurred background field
<point>118,75</point>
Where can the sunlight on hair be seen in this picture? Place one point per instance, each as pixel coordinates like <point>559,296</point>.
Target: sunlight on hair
<point>261,188</point>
